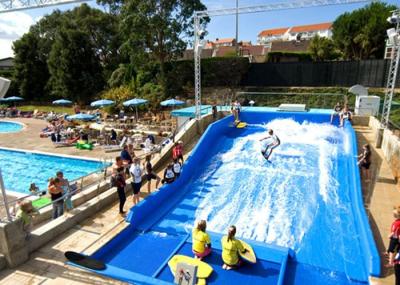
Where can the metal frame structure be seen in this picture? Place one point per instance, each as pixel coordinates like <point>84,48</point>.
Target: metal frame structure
<point>392,75</point>
<point>18,5</point>
<point>199,15</point>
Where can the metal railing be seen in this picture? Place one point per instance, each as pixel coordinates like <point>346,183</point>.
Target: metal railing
<point>83,183</point>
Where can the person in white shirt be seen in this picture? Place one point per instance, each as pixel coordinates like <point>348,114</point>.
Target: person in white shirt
<point>136,172</point>
<point>345,115</point>
<point>270,146</point>
<point>177,167</point>
<point>169,175</point>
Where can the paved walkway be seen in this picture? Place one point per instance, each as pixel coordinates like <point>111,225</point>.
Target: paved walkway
<point>47,266</point>
<point>380,196</point>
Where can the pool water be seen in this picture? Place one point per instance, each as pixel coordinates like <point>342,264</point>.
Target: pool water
<point>10,127</point>
<point>20,169</point>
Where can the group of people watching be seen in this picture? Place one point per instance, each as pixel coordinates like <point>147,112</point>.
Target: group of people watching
<point>231,247</point>
<point>60,192</point>
<point>128,165</point>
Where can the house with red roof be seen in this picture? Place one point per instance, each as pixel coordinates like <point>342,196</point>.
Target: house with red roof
<point>307,32</point>
<point>267,36</point>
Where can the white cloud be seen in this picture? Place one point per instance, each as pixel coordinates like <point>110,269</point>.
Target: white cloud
<point>12,26</point>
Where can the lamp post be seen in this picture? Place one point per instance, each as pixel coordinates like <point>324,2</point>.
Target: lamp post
<point>237,28</point>
<point>198,47</point>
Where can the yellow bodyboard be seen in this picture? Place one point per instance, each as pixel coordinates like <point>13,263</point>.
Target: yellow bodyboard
<point>249,255</point>
<point>241,125</point>
<point>203,269</point>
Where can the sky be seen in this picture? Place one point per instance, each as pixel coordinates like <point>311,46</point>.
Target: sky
<point>14,24</point>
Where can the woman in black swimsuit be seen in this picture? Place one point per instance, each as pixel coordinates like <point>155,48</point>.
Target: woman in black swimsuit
<point>365,162</point>
<point>118,180</point>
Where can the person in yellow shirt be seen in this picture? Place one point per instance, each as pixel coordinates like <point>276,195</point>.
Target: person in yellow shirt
<point>230,250</point>
<point>201,240</point>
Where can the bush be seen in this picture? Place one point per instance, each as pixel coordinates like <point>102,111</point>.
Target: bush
<point>277,56</point>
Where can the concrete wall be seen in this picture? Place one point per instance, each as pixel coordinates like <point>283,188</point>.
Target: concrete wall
<point>390,147</point>
<point>192,130</point>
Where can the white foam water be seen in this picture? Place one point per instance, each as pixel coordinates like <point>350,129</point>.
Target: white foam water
<point>272,202</point>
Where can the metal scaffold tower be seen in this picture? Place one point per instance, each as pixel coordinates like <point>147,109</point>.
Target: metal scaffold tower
<point>17,5</point>
<point>394,41</point>
<point>199,32</point>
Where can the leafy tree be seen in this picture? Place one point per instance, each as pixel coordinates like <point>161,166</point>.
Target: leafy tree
<point>361,34</point>
<point>75,71</point>
<point>32,51</point>
<point>322,49</point>
<point>155,29</point>
<point>30,67</point>
<point>118,94</point>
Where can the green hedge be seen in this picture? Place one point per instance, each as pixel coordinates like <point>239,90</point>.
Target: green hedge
<point>276,56</point>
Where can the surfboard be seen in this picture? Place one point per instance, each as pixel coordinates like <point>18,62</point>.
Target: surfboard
<point>241,125</point>
<point>203,269</point>
<point>249,255</point>
<point>85,261</point>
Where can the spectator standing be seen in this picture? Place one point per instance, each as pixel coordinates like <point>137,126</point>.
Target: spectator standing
<point>126,156</point>
<point>169,175</point>
<point>118,180</point>
<point>214,112</point>
<point>56,194</point>
<point>177,151</point>
<point>25,213</point>
<point>365,162</point>
<point>345,115</point>
<point>394,237</point>
<point>150,175</point>
<point>66,190</point>
<point>177,167</point>
<point>136,173</point>
<point>336,111</point>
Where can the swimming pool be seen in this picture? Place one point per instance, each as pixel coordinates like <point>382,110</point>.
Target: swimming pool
<point>307,200</point>
<point>20,169</point>
<point>10,127</point>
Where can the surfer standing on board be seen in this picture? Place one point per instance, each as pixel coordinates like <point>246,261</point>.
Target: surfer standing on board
<point>270,146</point>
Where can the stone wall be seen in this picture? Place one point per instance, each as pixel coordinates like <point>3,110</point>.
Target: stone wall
<point>390,147</point>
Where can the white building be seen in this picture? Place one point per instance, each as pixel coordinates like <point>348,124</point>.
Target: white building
<point>268,36</point>
<point>307,32</point>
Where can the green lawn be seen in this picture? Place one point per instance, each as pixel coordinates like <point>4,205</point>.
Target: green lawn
<point>57,109</point>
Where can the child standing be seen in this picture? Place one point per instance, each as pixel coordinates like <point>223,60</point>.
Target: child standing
<point>177,167</point>
<point>394,236</point>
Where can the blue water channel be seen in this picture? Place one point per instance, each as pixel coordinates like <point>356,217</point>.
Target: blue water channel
<point>307,198</point>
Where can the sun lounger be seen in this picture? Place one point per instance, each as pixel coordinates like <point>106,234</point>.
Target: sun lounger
<point>111,148</point>
<point>70,142</point>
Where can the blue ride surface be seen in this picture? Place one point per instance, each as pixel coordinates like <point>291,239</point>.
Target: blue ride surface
<point>302,213</point>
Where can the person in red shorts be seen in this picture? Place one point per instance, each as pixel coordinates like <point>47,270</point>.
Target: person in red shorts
<point>394,237</point>
<point>177,152</point>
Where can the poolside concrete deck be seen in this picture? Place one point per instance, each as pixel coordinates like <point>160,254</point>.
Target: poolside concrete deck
<point>29,139</point>
<point>47,266</point>
<point>380,195</point>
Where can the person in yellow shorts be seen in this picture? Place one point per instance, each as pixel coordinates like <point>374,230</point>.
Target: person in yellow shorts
<point>230,250</point>
<point>201,240</point>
